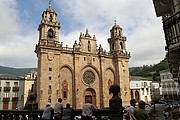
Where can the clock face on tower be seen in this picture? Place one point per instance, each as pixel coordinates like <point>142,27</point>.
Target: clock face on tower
<point>50,33</point>
<point>88,77</point>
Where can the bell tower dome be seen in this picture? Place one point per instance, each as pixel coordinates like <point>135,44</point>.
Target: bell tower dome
<point>117,40</point>
<point>49,27</point>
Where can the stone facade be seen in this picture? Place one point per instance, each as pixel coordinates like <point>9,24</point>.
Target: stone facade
<point>82,72</point>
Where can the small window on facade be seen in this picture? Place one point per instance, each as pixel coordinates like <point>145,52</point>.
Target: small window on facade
<point>15,84</point>
<point>7,84</point>
<point>64,94</point>
<point>6,94</point>
<point>50,69</point>
<point>50,78</point>
<point>89,46</point>
<point>147,91</point>
<point>113,47</point>
<point>84,58</point>
<point>49,90</point>
<point>121,45</point>
<point>94,59</point>
<point>51,17</point>
<point>15,94</point>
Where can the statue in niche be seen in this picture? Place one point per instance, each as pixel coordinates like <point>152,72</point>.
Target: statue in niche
<point>89,59</point>
<point>109,84</point>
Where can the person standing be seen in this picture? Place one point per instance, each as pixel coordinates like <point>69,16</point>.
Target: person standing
<point>87,110</point>
<point>140,113</point>
<point>47,113</point>
<point>58,109</point>
<point>129,114</point>
<point>67,112</point>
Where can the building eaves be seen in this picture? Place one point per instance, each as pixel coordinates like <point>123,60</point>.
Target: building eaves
<point>139,78</point>
<point>5,76</point>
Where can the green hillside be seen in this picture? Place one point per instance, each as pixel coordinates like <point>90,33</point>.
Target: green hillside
<point>16,71</point>
<point>150,71</point>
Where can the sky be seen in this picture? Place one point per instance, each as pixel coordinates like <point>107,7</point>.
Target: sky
<point>19,21</point>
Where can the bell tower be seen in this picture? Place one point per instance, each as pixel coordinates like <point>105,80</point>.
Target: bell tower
<point>117,40</point>
<point>47,51</point>
<point>49,27</point>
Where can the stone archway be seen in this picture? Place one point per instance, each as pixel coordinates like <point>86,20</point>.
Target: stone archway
<point>137,96</point>
<point>90,94</point>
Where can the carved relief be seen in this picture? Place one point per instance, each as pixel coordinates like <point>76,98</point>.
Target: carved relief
<point>109,84</point>
<point>64,89</point>
<point>50,56</point>
<point>89,59</point>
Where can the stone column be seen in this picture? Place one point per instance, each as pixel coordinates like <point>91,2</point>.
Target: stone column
<point>32,105</point>
<point>115,103</point>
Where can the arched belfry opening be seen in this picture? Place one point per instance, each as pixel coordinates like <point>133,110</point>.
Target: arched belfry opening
<point>50,33</point>
<point>121,46</point>
<point>90,94</point>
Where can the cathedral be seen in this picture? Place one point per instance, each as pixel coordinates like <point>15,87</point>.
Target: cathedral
<point>83,72</point>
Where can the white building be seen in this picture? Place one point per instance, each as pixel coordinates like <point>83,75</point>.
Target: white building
<point>11,92</point>
<point>143,88</point>
<point>170,90</point>
<point>14,90</point>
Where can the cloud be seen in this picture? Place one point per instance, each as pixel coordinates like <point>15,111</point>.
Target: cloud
<point>145,39</point>
<point>19,35</point>
<point>17,48</point>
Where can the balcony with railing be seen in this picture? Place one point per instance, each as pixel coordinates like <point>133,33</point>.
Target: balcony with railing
<point>6,99</point>
<point>171,27</point>
<point>7,88</point>
<point>15,99</point>
<point>15,88</point>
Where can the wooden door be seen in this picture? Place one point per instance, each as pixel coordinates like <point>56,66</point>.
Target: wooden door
<point>5,106</point>
<point>14,105</point>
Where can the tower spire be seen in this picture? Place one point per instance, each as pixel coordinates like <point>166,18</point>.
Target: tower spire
<point>114,20</point>
<point>50,3</point>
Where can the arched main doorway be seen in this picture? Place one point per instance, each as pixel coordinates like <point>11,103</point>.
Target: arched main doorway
<point>90,94</point>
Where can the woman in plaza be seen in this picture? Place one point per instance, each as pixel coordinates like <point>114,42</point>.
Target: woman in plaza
<point>140,113</point>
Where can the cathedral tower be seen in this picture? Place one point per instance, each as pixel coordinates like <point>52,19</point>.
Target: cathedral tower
<point>49,27</point>
<point>117,40</point>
